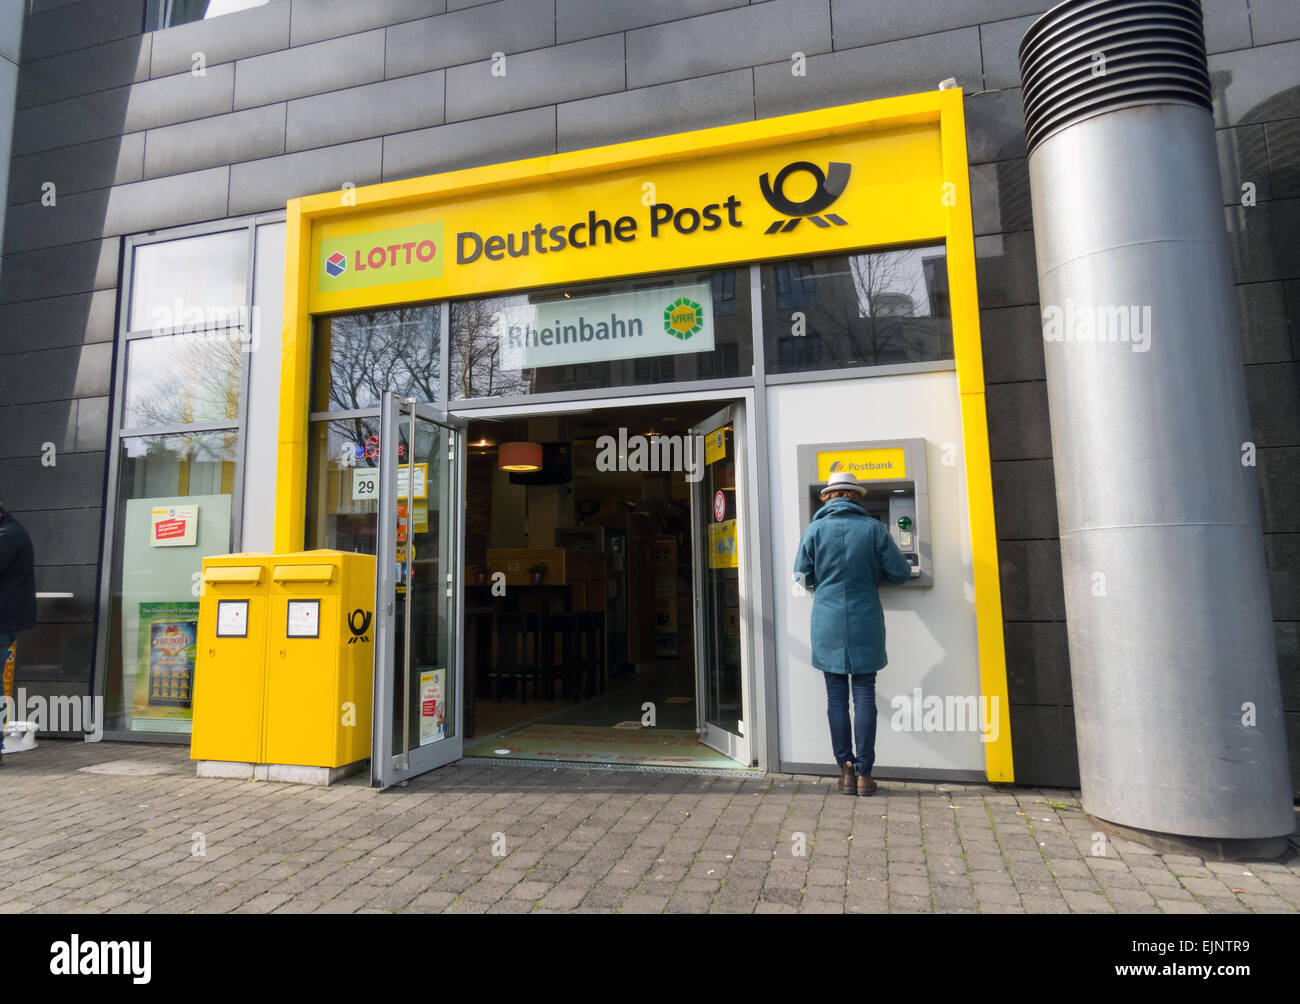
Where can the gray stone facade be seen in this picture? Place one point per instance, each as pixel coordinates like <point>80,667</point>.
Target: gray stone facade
<point>301,96</point>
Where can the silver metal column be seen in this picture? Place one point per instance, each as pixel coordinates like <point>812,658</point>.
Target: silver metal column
<point>1177,701</point>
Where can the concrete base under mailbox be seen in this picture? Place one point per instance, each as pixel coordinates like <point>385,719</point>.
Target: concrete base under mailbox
<point>293,773</point>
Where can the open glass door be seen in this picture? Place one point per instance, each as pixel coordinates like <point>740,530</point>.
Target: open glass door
<point>721,586</point>
<point>417,698</point>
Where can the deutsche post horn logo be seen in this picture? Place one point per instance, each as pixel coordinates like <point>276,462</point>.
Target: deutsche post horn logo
<point>829,188</point>
<point>359,624</point>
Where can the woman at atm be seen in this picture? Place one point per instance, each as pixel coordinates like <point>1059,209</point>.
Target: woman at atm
<point>843,555</point>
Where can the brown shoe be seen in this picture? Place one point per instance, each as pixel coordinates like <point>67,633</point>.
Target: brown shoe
<point>866,786</point>
<point>848,779</point>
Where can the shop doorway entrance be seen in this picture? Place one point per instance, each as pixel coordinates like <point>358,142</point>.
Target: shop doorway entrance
<point>606,611</point>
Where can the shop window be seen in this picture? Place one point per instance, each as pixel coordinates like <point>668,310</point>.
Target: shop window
<point>176,463</point>
<point>182,379</point>
<point>197,282</point>
<point>356,357</point>
<point>160,14</point>
<point>174,498</point>
<point>872,309</point>
<point>342,484</point>
<point>616,333</point>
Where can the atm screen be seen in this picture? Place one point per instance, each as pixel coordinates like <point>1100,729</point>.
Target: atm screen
<point>877,506</point>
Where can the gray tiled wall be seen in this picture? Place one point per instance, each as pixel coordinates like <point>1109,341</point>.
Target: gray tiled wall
<point>243,112</point>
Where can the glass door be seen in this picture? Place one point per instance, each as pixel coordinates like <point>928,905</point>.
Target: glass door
<point>721,593</point>
<point>418,699</point>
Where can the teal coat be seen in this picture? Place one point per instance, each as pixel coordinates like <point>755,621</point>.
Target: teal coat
<point>842,556</point>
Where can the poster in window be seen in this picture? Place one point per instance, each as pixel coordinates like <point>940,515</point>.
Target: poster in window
<point>164,678</point>
<point>722,545</point>
<point>433,711</point>
<point>174,526</point>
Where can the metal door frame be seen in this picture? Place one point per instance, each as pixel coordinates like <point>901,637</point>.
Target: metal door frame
<point>388,766</point>
<point>738,747</point>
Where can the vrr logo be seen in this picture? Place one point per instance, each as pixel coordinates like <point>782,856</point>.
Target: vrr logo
<point>683,318</point>
<point>829,188</point>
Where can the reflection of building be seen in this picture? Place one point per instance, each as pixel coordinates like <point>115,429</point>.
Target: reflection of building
<point>862,310</point>
<point>145,155</point>
<point>893,305</point>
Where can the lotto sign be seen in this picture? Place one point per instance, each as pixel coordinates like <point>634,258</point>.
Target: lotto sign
<point>381,258</point>
<point>719,507</point>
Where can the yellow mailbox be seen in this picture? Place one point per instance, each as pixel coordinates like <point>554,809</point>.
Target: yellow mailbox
<point>230,674</point>
<point>320,658</point>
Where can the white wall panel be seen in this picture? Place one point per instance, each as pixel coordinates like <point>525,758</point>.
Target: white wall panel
<point>930,633</point>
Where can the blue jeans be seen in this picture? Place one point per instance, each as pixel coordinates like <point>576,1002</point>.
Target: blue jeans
<point>864,719</point>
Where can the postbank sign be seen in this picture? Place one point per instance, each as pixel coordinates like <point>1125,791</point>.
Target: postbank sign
<point>820,194</point>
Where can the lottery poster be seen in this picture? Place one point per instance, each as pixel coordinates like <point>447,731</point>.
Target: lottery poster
<point>164,678</point>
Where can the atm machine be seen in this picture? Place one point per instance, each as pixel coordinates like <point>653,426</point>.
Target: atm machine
<point>893,472</point>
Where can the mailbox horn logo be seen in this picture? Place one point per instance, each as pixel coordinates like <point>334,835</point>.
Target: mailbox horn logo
<point>359,624</point>
<point>829,188</point>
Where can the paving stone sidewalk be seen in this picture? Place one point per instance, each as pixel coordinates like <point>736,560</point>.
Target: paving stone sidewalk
<point>498,839</point>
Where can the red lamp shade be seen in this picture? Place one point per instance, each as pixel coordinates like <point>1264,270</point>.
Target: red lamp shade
<point>519,456</point>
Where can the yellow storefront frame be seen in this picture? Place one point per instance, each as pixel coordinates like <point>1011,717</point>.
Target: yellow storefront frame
<point>939,212</point>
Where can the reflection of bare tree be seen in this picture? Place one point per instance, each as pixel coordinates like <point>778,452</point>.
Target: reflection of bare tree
<point>476,348</point>
<point>882,309</point>
<point>185,378</point>
<point>889,292</point>
<point>190,464</point>
<point>382,350</point>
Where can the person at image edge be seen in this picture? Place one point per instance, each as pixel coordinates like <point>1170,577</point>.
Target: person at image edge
<point>17,588</point>
<point>843,555</point>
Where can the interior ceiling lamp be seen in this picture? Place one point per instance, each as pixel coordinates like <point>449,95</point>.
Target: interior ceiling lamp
<point>519,456</point>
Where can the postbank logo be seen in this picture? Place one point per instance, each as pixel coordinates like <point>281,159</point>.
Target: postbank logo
<point>869,465</point>
<point>381,258</point>
<point>829,187</point>
<point>683,318</point>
